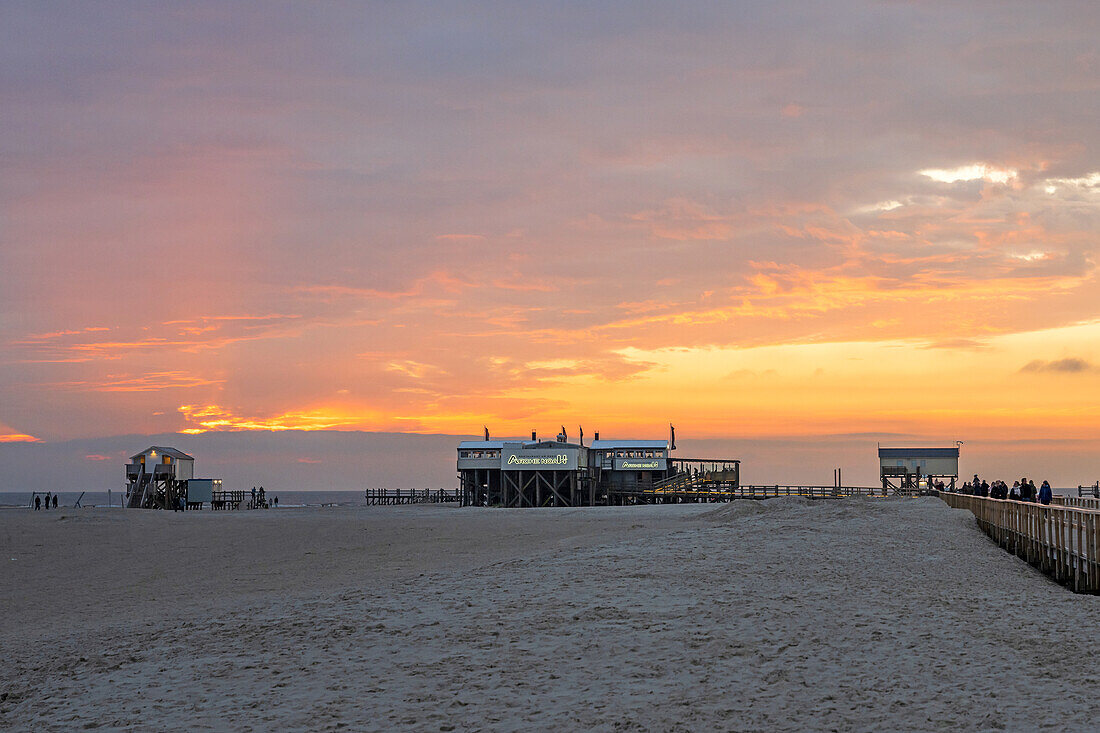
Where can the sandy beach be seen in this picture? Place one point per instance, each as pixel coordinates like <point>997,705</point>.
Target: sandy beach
<point>779,615</point>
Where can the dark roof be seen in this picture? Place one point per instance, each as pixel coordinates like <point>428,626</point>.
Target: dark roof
<point>475,444</point>
<point>177,454</point>
<point>918,452</point>
<point>610,444</point>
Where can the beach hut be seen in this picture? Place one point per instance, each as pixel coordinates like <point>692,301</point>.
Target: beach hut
<point>905,468</point>
<point>158,477</point>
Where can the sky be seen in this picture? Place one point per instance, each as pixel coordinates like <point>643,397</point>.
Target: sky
<point>291,234</point>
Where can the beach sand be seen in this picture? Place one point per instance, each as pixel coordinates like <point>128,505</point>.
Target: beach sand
<point>789,614</point>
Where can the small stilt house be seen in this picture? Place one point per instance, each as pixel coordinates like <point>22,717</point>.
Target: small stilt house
<point>160,478</point>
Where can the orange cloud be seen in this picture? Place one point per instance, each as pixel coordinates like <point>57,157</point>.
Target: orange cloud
<point>150,382</point>
<point>9,435</point>
<point>203,418</point>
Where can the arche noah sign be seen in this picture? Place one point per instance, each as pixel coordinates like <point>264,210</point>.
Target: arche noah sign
<point>552,460</point>
<point>558,460</point>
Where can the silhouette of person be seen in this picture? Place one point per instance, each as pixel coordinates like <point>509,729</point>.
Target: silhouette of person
<point>55,501</point>
<point>47,500</point>
<point>37,503</point>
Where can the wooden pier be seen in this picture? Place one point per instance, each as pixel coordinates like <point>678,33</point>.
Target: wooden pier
<point>695,492</point>
<point>227,499</point>
<point>704,492</point>
<point>389,497</point>
<point>1062,541</point>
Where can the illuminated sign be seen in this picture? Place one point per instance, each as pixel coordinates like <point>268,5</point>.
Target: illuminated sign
<point>640,464</point>
<point>525,459</point>
<point>556,460</point>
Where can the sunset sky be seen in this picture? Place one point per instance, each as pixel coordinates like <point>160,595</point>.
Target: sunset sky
<point>779,226</point>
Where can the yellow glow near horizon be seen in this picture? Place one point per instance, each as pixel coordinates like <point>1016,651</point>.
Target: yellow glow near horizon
<point>807,389</point>
<point>1005,386</point>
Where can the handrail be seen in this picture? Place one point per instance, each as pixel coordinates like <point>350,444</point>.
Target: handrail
<point>1061,541</point>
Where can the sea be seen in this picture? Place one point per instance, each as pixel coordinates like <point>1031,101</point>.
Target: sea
<point>15,499</point>
<point>287,499</point>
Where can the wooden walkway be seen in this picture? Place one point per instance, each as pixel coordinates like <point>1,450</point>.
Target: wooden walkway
<point>720,493</point>
<point>1078,502</point>
<point>1062,541</point>
<point>389,497</point>
<point>229,499</point>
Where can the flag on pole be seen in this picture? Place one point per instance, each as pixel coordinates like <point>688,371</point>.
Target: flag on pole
<point>671,437</point>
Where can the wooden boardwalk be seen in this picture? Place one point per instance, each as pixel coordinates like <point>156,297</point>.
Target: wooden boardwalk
<point>720,493</point>
<point>1078,502</point>
<point>1062,541</point>
<point>389,497</point>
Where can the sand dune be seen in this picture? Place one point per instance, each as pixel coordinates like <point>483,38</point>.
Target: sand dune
<point>785,614</point>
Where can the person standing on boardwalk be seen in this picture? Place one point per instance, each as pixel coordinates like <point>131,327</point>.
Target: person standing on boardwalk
<point>1045,493</point>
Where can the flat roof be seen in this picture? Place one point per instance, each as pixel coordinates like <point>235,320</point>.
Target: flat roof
<point>466,444</point>
<point>178,454</point>
<point>918,452</point>
<point>607,444</point>
<point>483,444</point>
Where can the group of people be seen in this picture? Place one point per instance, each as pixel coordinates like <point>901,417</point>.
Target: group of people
<point>1022,490</point>
<point>259,499</point>
<point>38,501</point>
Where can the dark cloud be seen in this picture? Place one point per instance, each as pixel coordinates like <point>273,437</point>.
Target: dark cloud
<point>1068,365</point>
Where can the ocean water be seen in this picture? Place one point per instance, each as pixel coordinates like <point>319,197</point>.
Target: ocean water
<point>14,499</point>
<point>10,499</point>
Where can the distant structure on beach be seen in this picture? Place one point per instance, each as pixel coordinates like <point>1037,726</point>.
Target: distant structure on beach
<point>164,478</point>
<point>906,468</point>
<point>533,473</point>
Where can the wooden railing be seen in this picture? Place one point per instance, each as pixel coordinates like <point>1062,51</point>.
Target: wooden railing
<point>412,496</point>
<point>770,492</point>
<point>229,499</point>
<point>1061,541</point>
<point>1078,502</point>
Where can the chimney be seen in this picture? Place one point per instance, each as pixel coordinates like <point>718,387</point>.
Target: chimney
<point>533,435</point>
<point>597,435</point>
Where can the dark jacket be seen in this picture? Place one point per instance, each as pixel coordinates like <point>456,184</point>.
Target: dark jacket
<point>1045,494</point>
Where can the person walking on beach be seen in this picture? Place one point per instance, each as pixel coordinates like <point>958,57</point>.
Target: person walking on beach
<point>55,501</point>
<point>1045,493</point>
<point>37,503</point>
<point>47,500</point>
<point>276,502</point>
